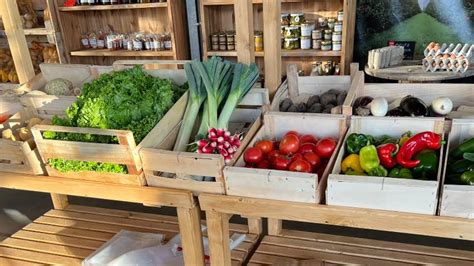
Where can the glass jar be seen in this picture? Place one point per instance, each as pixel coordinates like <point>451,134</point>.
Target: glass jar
<point>328,35</point>
<point>322,22</point>
<point>338,26</point>
<point>340,15</point>
<point>215,41</point>
<point>258,41</point>
<point>230,40</point>
<point>336,46</point>
<point>316,34</point>
<point>296,19</point>
<point>222,41</point>
<point>326,45</point>
<point>331,22</point>
<point>337,36</point>
<point>292,32</point>
<point>307,28</point>
<point>317,44</point>
<point>305,42</point>
<point>285,19</point>
<point>292,43</point>
<point>315,69</point>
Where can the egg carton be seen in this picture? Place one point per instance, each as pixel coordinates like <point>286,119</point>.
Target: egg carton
<point>385,57</point>
<point>454,58</point>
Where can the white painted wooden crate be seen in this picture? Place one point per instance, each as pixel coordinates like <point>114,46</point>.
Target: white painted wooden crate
<point>457,200</point>
<point>385,193</point>
<point>285,185</point>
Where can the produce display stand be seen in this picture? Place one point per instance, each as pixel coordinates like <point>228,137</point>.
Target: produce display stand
<point>290,247</point>
<point>169,16</point>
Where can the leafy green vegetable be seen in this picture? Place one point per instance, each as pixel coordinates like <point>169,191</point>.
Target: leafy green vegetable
<point>127,100</point>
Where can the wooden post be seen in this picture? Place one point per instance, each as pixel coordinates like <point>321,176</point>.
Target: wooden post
<point>218,232</point>
<point>245,43</point>
<point>274,226</point>
<point>255,225</point>
<point>191,235</point>
<point>16,40</point>
<point>59,201</point>
<point>348,31</point>
<point>271,44</point>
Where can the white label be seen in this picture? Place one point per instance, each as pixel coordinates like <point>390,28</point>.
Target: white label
<point>85,42</point>
<point>168,45</point>
<point>137,45</point>
<point>100,44</point>
<point>93,42</point>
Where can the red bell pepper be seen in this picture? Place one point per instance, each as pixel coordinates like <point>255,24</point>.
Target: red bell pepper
<point>386,153</point>
<point>421,141</point>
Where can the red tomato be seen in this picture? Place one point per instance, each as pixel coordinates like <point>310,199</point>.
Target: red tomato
<point>273,154</point>
<point>308,139</point>
<point>249,165</point>
<point>297,156</point>
<point>276,145</point>
<point>281,163</point>
<point>265,164</point>
<point>313,159</point>
<point>289,144</point>
<point>292,133</point>
<point>325,147</point>
<point>253,155</point>
<point>307,147</point>
<point>265,145</point>
<point>300,166</point>
<point>3,118</point>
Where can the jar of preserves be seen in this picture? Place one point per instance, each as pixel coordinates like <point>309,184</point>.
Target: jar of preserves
<point>340,15</point>
<point>292,32</point>
<point>316,69</point>
<point>337,36</point>
<point>222,41</point>
<point>336,46</point>
<point>258,36</point>
<point>317,44</point>
<point>322,22</point>
<point>285,19</point>
<point>316,34</point>
<point>338,26</point>
<point>326,45</point>
<point>292,43</point>
<point>328,35</point>
<point>215,41</point>
<point>331,22</point>
<point>307,28</point>
<point>296,19</point>
<point>305,42</point>
<point>230,40</point>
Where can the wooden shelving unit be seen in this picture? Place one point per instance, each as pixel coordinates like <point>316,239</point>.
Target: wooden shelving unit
<point>219,15</point>
<point>147,18</point>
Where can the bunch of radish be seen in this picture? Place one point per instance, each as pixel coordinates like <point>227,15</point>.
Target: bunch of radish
<point>219,141</point>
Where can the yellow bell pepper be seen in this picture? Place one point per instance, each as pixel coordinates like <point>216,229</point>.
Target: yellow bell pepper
<point>351,162</point>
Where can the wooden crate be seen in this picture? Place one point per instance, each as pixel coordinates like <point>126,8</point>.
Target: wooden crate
<point>126,152</point>
<point>160,161</point>
<point>285,185</point>
<point>317,85</point>
<point>19,156</point>
<point>385,193</point>
<point>460,94</point>
<point>457,200</point>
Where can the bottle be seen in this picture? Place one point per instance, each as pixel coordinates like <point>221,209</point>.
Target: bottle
<point>91,2</point>
<point>106,2</point>
<point>84,2</point>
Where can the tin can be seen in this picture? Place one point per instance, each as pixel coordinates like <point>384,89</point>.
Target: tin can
<point>328,35</point>
<point>331,22</point>
<point>258,36</point>
<point>336,46</point>
<point>326,45</point>
<point>317,44</point>
<point>340,15</point>
<point>307,28</point>
<point>316,35</point>
<point>338,26</point>
<point>337,36</point>
<point>305,42</point>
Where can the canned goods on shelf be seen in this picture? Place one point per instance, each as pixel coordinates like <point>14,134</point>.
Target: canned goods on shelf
<point>337,36</point>
<point>317,34</point>
<point>326,45</point>
<point>328,35</point>
<point>336,46</point>
<point>340,15</point>
<point>258,36</point>
<point>338,26</point>
<point>322,22</point>
<point>317,44</point>
<point>292,32</point>
<point>307,28</point>
<point>296,19</point>
<point>305,42</point>
<point>285,19</point>
<point>292,43</point>
<point>331,22</point>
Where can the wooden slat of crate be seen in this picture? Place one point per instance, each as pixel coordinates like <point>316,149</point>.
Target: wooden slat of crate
<point>13,262</point>
<point>68,236</point>
<point>317,251</point>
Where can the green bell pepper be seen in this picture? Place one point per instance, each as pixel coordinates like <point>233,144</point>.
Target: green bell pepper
<point>468,178</point>
<point>352,172</point>
<point>384,139</point>
<point>466,147</point>
<point>468,156</point>
<point>401,172</point>
<point>370,162</point>
<point>355,142</point>
<point>460,166</point>
<point>428,166</point>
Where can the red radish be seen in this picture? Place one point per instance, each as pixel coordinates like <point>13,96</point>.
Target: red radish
<point>199,150</point>
<point>228,159</point>
<point>220,140</point>
<point>230,151</point>
<point>226,144</point>
<point>220,132</point>
<point>224,153</point>
<point>207,149</point>
<point>220,146</point>
<point>227,134</point>
<point>202,143</point>
<point>213,144</point>
<point>212,132</point>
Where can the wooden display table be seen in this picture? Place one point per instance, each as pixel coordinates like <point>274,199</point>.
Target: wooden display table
<point>290,247</point>
<point>415,74</point>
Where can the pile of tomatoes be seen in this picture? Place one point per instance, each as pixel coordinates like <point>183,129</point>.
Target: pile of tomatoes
<point>294,152</point>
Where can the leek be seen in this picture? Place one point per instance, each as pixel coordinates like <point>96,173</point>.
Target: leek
<point>243,80</point>
<point>197,95</point>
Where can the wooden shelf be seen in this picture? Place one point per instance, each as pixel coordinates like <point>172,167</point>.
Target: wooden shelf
<point>284,53</point>
<point>106,52</point>
<point>32,32</point>
<point>113,7</point>
<point>231,2</point>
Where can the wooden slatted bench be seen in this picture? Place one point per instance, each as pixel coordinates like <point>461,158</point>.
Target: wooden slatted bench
<point>290,247</point>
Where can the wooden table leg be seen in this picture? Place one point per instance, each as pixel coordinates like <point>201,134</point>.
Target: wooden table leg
<point>191,235</point>
<point>59,201</point>
<point>218,232</point>
<point>274,226</point>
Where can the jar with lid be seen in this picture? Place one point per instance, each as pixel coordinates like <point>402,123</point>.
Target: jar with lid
<point>326,45</point>
<point>215,41</point>
<point>230,40</point>
<point>337,69</point>
<point>305,42</point>
<point>340,15</point>
<point>222,41</point>
<point>85,41</point>
<point>317,44</point>
<point>316,35</point>
<point>292,32</point>
<point>168,43</point>
<point>331,22</point>
<point>322,22</point>
<point>315,69</point>
<point>296,19</point>
<point>336,46</point>
<point>292,43</point>
<point>285,19</point>
<point>337,36</point>
<point>258,37</point>
<point>328,68</point>
<point>307,28</point>
<point>100,40</point>
<point>338,26</point>
<point>327,35</point>
<point>93,40</point>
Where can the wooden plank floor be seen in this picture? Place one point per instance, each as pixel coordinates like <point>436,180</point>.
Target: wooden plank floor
<point>68,236</point>
<point>305,248</point>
